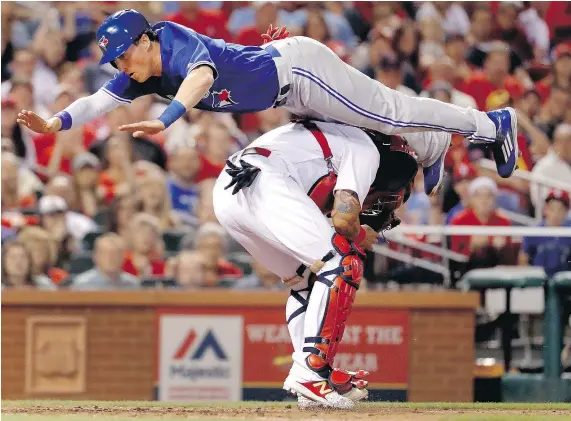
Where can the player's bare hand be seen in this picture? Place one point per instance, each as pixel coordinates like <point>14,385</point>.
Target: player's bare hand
<point>37,124</point>
<point>370,239</point>
<point>143,128</point>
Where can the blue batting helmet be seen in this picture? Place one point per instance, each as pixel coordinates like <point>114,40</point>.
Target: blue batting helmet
<point>118,32</point>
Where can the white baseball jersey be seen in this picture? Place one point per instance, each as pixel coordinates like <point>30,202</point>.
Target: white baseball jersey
<point>274,218</point>
<point>279,224</point>
<point>355,156</point>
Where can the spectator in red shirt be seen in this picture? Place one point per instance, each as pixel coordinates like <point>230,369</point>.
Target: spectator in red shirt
<point>557,16</point>
<point>509,31</point>
<point>156,201</point>
<point>316,28</point>
<point>211,23</point>
<point>142,258</point>
<point>529,103</point>
<point>266,14</point>
<point>86,168</point>
<point>494,76</point>
<point>535,142</point>
<point>216,145</point>
<point>117,178</point>
<point>187,269</point>
<point>53,219</point>
<point>561,73</point>
<point>455,47</point>
<point>43,252</point>
<point>554,110</point>
<point>482,250</point>
<point>12,196</point>
<point>211,242</point>
<point>120,214</point>
<point>463,176</point>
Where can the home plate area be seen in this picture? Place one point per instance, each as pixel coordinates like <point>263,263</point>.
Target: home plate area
<point>118,411</point>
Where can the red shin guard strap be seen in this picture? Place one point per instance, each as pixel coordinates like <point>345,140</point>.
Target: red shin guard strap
<point>340,302</point>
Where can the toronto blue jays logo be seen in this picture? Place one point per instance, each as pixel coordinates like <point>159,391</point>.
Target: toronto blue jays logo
<point>222,99</point>
<point>103,43</point>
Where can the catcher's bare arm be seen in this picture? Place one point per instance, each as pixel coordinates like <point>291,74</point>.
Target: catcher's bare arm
<point>345,214</point>
<point>345,217</point>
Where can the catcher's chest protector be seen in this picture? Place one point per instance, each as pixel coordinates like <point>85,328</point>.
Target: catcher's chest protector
<point>322,191</point>
<point>395,174</point>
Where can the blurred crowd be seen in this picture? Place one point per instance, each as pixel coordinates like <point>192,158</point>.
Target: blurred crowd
<point>93,208</point>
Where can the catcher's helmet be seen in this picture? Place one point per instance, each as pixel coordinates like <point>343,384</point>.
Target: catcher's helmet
<point>393,182</point>
<point>118,32</point>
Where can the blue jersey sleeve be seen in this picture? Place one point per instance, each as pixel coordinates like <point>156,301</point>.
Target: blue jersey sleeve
<point>188,51</point>
<point>122,89</point>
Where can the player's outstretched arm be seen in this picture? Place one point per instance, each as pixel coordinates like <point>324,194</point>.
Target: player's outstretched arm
<point>191,91</point>
<point>79,112</point>
<point>345,218</point>
<point>37,124</point>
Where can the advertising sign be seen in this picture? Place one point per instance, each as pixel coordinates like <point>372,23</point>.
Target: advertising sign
<point>200,358</point>
<point>374,340</point>
<point>258,339</point>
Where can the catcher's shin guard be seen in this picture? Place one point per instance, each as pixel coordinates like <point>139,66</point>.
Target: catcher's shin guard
<point>331,302</point>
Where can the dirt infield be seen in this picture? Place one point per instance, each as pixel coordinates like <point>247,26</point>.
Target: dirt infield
<point>44,410</point>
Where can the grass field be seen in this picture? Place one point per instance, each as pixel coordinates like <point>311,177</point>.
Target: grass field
<point>279,411</point>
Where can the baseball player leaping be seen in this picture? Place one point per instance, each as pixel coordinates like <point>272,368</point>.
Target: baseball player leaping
<point>274,198</point>
<point>297,73</point>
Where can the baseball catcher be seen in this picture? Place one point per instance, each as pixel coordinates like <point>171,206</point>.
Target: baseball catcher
<point>275,197</point>
<point>298,73</point>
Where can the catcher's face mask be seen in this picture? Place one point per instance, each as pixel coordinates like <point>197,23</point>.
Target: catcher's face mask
<point>379,209</point>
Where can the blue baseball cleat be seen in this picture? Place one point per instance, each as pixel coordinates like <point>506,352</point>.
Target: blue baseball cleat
<point>434,174</point>
<point>505,148</point>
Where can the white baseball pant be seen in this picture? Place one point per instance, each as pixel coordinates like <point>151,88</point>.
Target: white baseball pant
<point>281,227</point>
<point>323,86</point>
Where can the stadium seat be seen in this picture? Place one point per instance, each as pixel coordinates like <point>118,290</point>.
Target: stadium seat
<point>80,263</point>
<point>88,241</point>
<point>506,278</point>
<point>66,283</point>
<point>556,310</point>
<point>242,260</point>
<point>30,211</point>
<point>100,217</point>
<point>159,283</point>
<point>172,240</point>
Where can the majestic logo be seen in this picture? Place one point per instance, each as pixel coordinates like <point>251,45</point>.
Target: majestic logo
<point>222,99</point>
<point>103,43</point>
<point>208,342</point>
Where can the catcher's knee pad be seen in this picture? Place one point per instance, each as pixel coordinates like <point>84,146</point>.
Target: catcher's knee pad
<point>343,283</point>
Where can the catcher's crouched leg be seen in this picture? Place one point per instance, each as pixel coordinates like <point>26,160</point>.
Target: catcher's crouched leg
<point>330,302</point>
